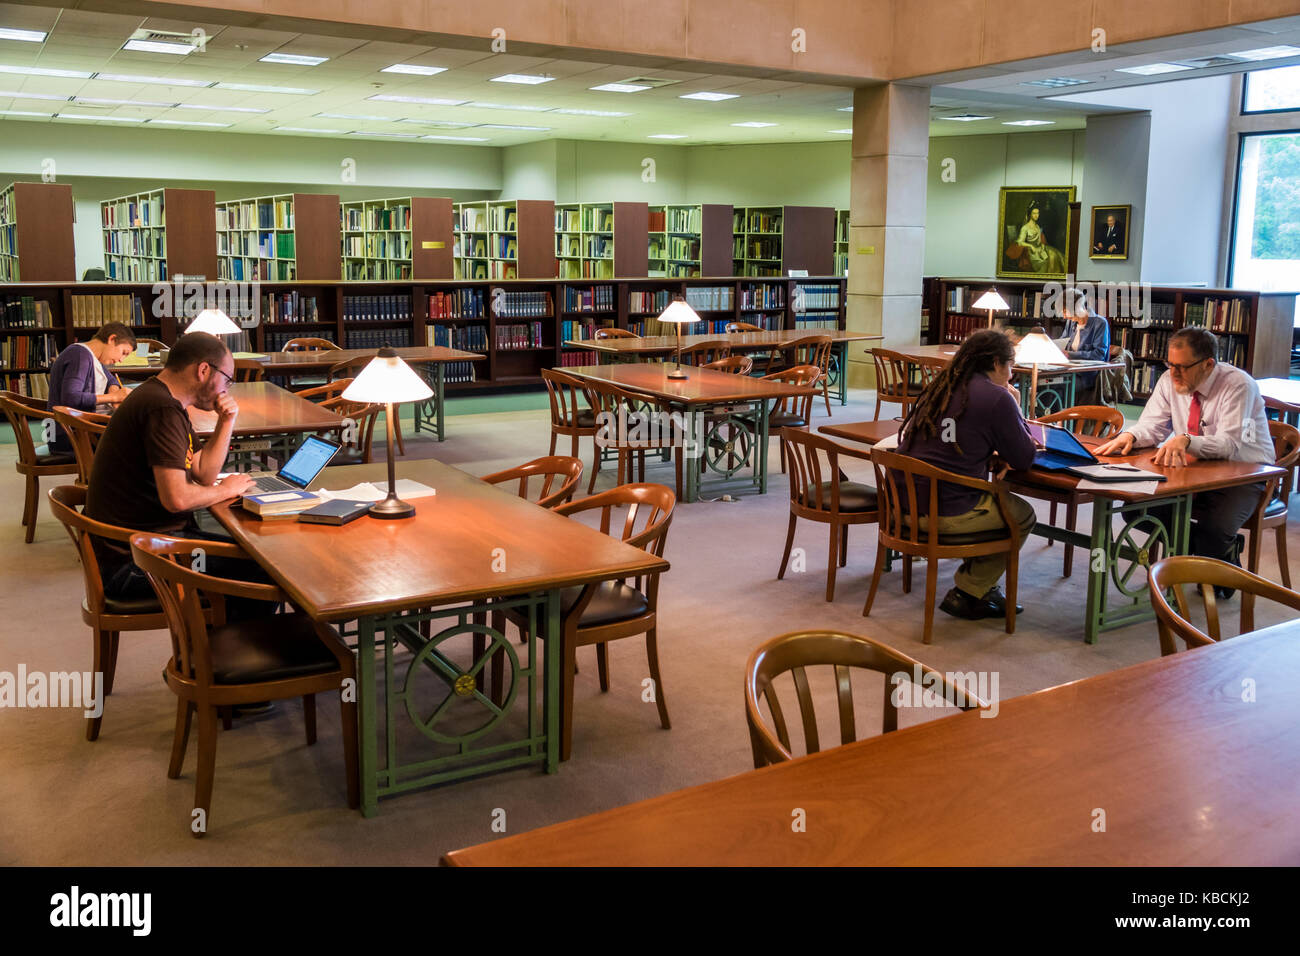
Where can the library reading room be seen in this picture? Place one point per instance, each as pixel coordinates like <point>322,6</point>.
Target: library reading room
<point>527,366</point>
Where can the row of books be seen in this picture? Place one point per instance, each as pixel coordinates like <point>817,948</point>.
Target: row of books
<point>380,245</point>
<point>372,269</point>
<point>654,302</point>
<point>684,220</point>
<point>520,304</point>
<point>290,307</point>
<point>92,311</point>
<point>598,247</point>
<point>711,298</point>
<point>120,242</point>
<point>771,321</point>
<point>957,327</point>
<point>276,341</point>
<point>504,269</point>
<point>135,270</point>
<point>471,268</point>
<point>568,220</point>
<point>468,338</point>
<point>586,269</point>
<point>573,358</point>
<point>1219,315</point>
<point>504,247</point>
<point>256,214</point>
<point>453,372</point>
<point>502,219</point>
<point>761,271</point>
<point>520,335</point>
<point>133,213</point>
<point>656,248</point>
<point>263,245</point>
<point>817,321</point>
<point>377,338</point>
<point>28,351</point>
<point>682,247</point>
<point>1145,378</point>
<point>809,297</point>
<point>458,304</point>
<point>574,330</point>
<point>470,246</point>
<point>762,222</point>
<point>766,296</point>
<point>376,218</point>
<point>568,245</point>
<point>597,298</point>
<point>1234,351</point>
<point>1145,344</point>
<point>598,219</point>
<point>683,270</point>
<point>376,308</point>
<point>1158,315</point>
<point>473,219</point>
<point>657,221</point>
<point>34,385</point>
<point>24,312</point>
<point>763,249</point>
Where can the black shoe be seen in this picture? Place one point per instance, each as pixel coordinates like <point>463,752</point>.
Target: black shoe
<point>997,602</point>
<point>1233,558</point>
<point>960,604</point>
<point>1224,594</point>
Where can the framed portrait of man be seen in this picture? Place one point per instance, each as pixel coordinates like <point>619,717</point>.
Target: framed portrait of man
<point>1034,232</point>
<point>1109,236</point>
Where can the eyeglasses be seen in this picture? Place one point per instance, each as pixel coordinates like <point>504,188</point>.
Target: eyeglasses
<point>1183,368</point>
<point>230,379</point>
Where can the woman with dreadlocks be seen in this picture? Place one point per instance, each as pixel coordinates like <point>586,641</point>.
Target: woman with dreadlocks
<point>966,415</point>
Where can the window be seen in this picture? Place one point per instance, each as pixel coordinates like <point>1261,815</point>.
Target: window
<point>1269,90</point>
<point>1266,227</point>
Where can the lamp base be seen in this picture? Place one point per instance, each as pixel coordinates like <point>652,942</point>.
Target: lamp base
<point>392,508</point>
<point>678,372</point>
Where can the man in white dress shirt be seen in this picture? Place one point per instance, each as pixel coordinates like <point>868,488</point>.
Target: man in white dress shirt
<point>1204,409</point>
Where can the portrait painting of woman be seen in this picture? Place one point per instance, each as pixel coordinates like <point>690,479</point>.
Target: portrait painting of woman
<point>1034,231</point>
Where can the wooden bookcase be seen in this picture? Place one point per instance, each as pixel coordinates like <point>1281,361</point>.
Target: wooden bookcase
<point>158,235</point>
<point>279,238</point>
<point>471,240</point>
<point>699,240</point>
<point>841,242</point>
<point>520,237</point>
<point>1254,328</point>
<point>36,233</point>
<point>410,237</point>
<point>773,240</point>
<point>657,241</point>
<point>611,240</point>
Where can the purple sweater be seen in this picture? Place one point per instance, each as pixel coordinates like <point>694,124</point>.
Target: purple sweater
<point>72,383</point>
<point>990,422</point>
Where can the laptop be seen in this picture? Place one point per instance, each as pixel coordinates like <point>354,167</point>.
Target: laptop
<point>1059,450</point>
<point>300,470</point>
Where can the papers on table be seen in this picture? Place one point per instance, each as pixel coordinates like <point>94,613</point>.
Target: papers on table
<point>250,355</point>
<point>1127,487</point>
<point>366,491</point>
<point>1112,473</point>
<point>888,443</point>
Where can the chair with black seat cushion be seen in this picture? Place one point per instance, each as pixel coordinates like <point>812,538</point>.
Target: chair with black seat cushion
<point>1273,509</point>
<point>893,381</point>
<point>795,653</point>
<point>792,411</point>
<point>1096,421</point>
<point>1204,575</point>
<point>34,461</point>
<point>900,528</point>
<point>273,657</point>
<point>820,491</point>
<point>83,430</point>
<point>573,414</point>
<point>607,611</point>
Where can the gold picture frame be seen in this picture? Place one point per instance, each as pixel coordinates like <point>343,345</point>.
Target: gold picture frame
<point>1102,236</point>
<point>1034,246</point>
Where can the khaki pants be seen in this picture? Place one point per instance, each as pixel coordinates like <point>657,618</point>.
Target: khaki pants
<point>977,575</point>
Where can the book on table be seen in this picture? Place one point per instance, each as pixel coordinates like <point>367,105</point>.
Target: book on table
<point>280,503</point>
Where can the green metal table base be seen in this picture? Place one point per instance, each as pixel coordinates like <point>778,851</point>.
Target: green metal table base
<point>1054,395</point>
<point>732,441</point>
<point>1114,556</point>
<point>468,752</point>
<point>838,372</point>
<point>431,414</point>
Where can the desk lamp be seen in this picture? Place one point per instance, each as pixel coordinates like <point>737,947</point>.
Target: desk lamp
<point>388,381</point>
<point>1035,349</point>
<point>214,322</point>
<point>990,300</point>
<point>679,313</point>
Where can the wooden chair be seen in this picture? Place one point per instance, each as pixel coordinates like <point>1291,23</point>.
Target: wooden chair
<point>106,617</point>
<point>365,416</point>
<point>154,344</point>
<point>558,474</point>
<point>271,658</point>
<point>309,343</point>
<point>322,393</point>
<point>249,370</point>
<point>735,364</point>
<point>763,361</point>
<point>743,327</point>
<point>1098,421</point>
<point>815,350</point>
<point>609,332</point>
<point>1273,509</point>
<point>702,353</point>
<point>793,411</point>
<point>83,430</point>
<point>1205,574</point>
<point>893,382</point>
<point>621,411</point>
<point>900,529</point>
<point>604,612</point>
<point>573,414</point>
<point>347,370</point>
<point>796,652</point>
<point>34,461</point>
<point>822,492</point>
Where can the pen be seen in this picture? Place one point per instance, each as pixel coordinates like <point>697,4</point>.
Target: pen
<point>1121,468</point>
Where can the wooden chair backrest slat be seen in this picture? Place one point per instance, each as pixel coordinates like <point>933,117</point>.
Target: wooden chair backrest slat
<point>1204,574</point>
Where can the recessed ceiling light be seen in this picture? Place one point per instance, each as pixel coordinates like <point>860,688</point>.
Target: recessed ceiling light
<point>1152,69</point>
<point>102,119</point>
<point>430,100</point>
<point>39,71</point>
<point>753,125</point>
<point>839,131</point>
<point>21,113</point>
<point>527,79</point>
<point>436,124</point>
<point>621,87</point>
<point>31,96</point>
<point>259,88</point>
<point>1268,53</point>
<point>1055,82</point>
<point>459,139</point>
<point>305,129</point>
<point>711,97</point>
<point>222,109</point>
<point>87,99</point>
<point>591,113</point>
<point>667,136</point>
<point>175,122</point>
<point>359,116</point>
<point>151,80</point>
<point>371,132</point>
<point>965,117</point>
<point>508,106</point>
<point>296,59</point>
<point>156,46</point>
<point>414,69</point>
<point>30,36</point>
<point>1029,122</point>
<point>502,126</point>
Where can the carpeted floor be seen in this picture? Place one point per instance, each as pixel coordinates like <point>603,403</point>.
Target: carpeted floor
<point>277,801</point>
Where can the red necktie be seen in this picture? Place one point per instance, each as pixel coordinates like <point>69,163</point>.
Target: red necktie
<point>1194,415</point>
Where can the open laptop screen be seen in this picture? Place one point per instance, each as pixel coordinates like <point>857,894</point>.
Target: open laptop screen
<point>306,463</point>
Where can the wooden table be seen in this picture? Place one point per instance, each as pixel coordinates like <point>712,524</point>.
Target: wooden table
<point>1186,773</point>
<point>1121,553</point>
<point>429,414</point>
<point>393,577</point>
<point>704,387</point>
<point>773,340</point>
<point>1048,401</point>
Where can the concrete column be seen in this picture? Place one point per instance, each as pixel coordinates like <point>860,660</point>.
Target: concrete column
<point>891,144</point>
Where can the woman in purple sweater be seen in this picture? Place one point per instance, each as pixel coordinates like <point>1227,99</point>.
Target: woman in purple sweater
<point>80,376</point>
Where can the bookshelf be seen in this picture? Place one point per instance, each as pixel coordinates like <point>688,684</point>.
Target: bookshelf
<point>471,241</point>
<point>657,241</point>
<point>520,235</point>
<point>280,238</point>
<point>841,242</point>
<point>699,239</point>
<point>773,240</point>
<point>158,235</point>
<point>410,237</point>
<point>602,240</point>
<point>36,233</point>
<point>1254,328</point>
